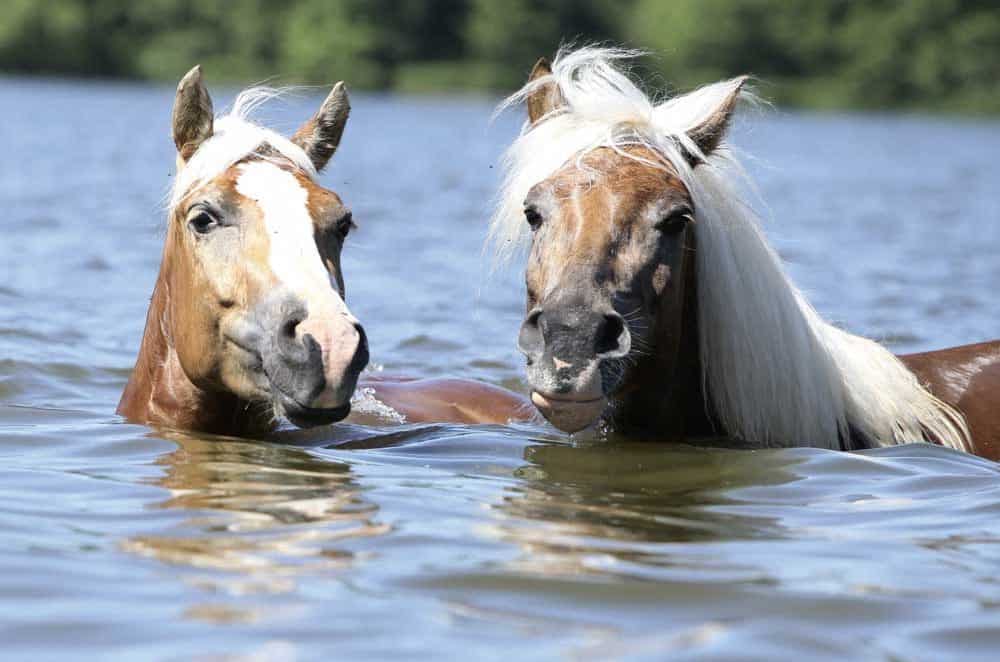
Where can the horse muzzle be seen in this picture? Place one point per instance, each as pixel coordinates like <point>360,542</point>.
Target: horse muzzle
<point>569,414</point>
<point>568,346</point>
<point>309,364</point>
<point>570,396</point>
<point>309,417</point>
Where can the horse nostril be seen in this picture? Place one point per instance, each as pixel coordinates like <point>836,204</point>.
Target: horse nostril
<point>609,335</point>
<point>530,340</point>
<point>362,336</point>
<point>361,355</point>
<point>289,326</point>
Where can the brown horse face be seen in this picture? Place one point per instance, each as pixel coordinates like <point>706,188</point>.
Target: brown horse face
<point>256,291</point>
<point>612,250</point>
<point>610,240</point>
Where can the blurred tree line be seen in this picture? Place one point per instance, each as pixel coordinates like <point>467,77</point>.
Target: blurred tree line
<point>937,54</point>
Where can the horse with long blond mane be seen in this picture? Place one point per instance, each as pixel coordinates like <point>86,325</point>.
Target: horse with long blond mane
<point>248,323</point>
<point>656,305</point>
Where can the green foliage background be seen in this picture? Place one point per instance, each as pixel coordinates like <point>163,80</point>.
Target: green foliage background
<point>929,54</point>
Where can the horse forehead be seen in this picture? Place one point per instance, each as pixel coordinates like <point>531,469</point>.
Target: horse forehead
<point>605,193</point>
<point>287,224</point>
<point>254,182</point>
<point>248,183</point>
<point>603,198</point>
<point>604,179</point>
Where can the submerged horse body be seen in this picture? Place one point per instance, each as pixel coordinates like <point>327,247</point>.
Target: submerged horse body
<point>248,323</point>
<point>656,305</point>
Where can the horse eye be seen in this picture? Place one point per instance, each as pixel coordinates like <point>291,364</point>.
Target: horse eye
<point>203,223</point>
<point>533,217</point>
<point>344,226</point>
<point>675,221</point>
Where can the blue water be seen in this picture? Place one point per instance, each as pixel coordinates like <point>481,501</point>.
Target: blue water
<point>438,542</point>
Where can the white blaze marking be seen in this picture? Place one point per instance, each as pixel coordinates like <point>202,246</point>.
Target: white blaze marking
<point>294,259</point>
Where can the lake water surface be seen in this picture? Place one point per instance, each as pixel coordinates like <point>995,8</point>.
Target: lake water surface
<point>431,542</point>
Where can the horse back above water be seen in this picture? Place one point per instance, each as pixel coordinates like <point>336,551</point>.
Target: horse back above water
<point>656,306</point>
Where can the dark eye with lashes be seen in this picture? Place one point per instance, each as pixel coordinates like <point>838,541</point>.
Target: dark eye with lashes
<point>533,217</point>
<point>202,222</point>
<point>675,221</point>
<point>344,226</point>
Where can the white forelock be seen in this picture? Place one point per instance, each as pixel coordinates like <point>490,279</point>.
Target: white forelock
<point>233,139</point>
<point>603,108</point>
<point>776,372</point>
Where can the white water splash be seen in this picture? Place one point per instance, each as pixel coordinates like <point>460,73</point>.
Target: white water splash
<point>365,402</point>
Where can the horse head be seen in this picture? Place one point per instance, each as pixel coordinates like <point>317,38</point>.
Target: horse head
<point>251,266</point>
<point>611,241</point>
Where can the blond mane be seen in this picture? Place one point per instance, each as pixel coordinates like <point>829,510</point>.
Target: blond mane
<point>777,373</point>
<point>234,138</point>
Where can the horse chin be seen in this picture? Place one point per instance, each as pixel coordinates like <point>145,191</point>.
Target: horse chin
<point>311,418</point>
<point>302,416</point>
<point>569,415</point>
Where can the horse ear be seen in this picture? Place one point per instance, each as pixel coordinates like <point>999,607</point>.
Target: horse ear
<point>192,117</point>
<point>320,136</point>
<point>546,97</point>
<point>710,131</point>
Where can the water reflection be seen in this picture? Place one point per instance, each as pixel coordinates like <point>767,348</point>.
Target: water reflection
<point>263,514</point>
<point>629,509</point>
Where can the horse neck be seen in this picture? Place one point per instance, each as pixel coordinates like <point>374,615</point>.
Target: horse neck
<point>666,397</point>
<point>159,392</point>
